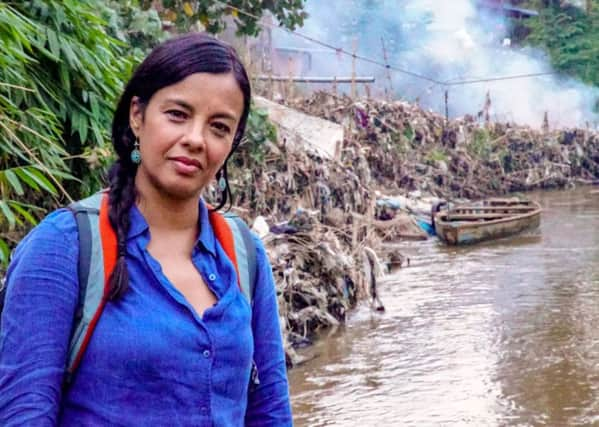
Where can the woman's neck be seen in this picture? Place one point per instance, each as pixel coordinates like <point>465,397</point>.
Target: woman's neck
<point>166,213</point>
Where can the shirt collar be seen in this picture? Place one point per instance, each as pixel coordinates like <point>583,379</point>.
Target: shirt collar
<point>137,223</point>
<point>206,239</point>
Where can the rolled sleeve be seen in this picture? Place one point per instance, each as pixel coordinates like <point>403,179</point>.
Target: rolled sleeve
<point>268,403</point>
<point>42,292</point>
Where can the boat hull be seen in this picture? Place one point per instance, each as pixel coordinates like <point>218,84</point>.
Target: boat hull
<point>465,232</point>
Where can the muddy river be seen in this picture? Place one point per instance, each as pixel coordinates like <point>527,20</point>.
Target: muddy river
<point>498,334</point>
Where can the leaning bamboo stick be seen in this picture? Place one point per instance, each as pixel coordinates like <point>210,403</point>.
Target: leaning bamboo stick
<point>308,79</point>
<point>353,69</point>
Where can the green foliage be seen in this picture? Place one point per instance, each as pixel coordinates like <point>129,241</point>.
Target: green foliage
<point>75,72</point>
<point>59,76</point>
<point>436,155</point>
<point>20,132</point>
<point>480,145</point>
<point>570,35</point>
<point>408,132</point>
<point>211,14</point>
<point>141,29</point>
<point>259,130</point>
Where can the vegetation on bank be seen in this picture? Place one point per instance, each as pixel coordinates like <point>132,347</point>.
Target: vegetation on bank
<point>60,73</point>
<point>62,66</point>
<point>569,35</point>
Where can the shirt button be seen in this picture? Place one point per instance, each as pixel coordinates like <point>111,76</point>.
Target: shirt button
<point>206,353</point>
<point>204,409</point>
<point>212,277</point>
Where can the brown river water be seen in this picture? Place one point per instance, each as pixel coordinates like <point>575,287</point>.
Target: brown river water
<point>498,334</point>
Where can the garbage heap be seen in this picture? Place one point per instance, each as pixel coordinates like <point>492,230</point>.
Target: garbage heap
<point>316,218</point>
<point>319,217</point>
<point>408,148</point>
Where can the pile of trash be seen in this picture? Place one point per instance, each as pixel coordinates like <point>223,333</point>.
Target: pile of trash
<point>327,222</point>
<point>315,275</point>
<point>317,219</point>
<point>410,149</point>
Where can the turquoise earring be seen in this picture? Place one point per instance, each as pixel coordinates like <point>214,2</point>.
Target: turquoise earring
<point>222,183</point>
<point>135,153</point>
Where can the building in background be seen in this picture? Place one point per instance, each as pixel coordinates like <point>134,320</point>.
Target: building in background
<point>508,8</point>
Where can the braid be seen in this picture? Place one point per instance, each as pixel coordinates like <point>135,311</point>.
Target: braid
<point>121,197</point>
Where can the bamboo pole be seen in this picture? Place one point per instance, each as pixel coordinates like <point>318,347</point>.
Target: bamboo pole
<point>389,93</point>
<point>270,55</point>
<point>447,105</point>
<point>290,71</point>
<point>353,69</point>
<point>487,109</point>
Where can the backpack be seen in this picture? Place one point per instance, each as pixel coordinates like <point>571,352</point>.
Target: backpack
<point>97,259</point>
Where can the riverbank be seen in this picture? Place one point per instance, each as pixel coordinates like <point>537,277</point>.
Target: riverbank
<point>320,217</point>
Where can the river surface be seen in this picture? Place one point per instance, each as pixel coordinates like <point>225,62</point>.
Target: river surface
<point>498,334</point>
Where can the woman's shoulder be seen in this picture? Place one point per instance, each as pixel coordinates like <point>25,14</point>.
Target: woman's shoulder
<point>57,228</point>
<point>61,221</point>
<point>263,266</point>
<point>262,258</point>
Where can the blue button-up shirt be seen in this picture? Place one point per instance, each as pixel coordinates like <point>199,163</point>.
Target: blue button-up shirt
<point>152,359</point>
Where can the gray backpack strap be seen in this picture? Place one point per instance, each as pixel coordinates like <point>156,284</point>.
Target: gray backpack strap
<point>82,217</point>
<point>2,294</point>
<point>245,252</point>
<point>91,275</point>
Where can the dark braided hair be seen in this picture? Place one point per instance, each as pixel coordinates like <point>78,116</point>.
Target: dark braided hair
<point>169,63</point>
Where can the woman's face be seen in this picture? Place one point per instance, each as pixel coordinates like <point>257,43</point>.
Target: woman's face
<point>185,134</point>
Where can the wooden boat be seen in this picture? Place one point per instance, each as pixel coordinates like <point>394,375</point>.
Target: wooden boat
<point>485,220</point>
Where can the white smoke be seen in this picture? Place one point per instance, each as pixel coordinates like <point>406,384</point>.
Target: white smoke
<point>448,41</point>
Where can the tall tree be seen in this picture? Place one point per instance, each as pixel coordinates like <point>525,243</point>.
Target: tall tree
<point>211,14</point>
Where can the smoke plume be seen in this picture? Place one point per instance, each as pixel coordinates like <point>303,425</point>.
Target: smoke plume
<point>449,42</point>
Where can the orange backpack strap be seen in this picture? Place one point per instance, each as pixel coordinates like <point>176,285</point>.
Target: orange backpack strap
<point>97,259</point>
<point>109,242</point>
<point>236,239</point>
<point>224,235</point>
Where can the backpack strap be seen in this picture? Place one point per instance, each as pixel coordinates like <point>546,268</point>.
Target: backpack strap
<point>245,249</point>
<point>2,295</point>
<point>236,239</point>
<point>97,258</point>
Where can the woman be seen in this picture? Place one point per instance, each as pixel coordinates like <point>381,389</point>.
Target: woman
<point>174,344</point>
